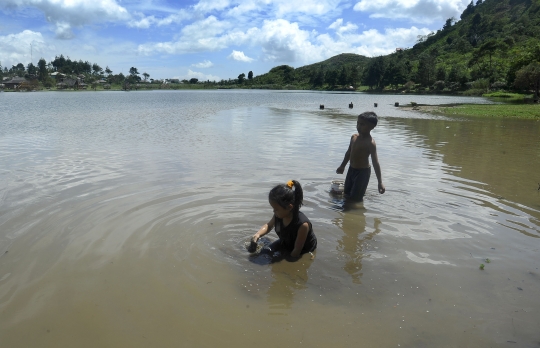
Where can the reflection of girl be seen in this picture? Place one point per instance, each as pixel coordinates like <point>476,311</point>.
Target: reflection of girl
<point>293,228</point>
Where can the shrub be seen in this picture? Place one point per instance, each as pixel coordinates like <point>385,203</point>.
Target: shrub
<point>498,85</point>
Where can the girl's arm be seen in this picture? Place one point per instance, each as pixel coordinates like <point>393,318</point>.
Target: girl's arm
<point>300,240</point>
<point>264,230</point>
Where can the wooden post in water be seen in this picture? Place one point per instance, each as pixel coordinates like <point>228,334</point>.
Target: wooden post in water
<point>375,104</point>
<point>396,104</point>
<point>321,106</point>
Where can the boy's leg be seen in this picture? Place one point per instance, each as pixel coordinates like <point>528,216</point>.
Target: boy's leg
<point>360,183</point>
<point>349,181</point>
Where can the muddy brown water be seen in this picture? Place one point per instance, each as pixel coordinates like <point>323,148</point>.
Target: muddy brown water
<point>123,218</point>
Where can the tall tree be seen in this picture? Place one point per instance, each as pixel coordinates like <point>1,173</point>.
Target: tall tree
<point>133,71</point>
<point>426,70</point>
<point>353,77</point>
<point>529,78</point>
<point>373,75</point>
<point>395,73</point>
<point>343,77</point>
<point>241,78</point>
<point>133,75</point>
<point>31,69</point>
<point>96,69</point>
<point>330,77</point>
<point>250,75</point>
<point>42,70</point>
<point>449,22</point>
<point>318,80</point>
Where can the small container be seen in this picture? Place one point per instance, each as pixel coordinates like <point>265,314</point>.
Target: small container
<point>337,186</point>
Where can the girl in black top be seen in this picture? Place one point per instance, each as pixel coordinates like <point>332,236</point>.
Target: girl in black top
<point>293,228</point>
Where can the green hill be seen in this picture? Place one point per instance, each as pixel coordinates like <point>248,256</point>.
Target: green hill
<point>494,45</point>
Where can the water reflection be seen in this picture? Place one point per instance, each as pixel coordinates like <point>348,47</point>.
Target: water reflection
<point>355,241</point>
<point>288,279</point>
<point>288,275</point>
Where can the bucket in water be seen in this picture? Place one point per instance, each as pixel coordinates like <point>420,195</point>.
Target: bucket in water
<point>337,186</point>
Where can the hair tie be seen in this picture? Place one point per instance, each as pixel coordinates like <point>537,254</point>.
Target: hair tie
<point>290,184</point>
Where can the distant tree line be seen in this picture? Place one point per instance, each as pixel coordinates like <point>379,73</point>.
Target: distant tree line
<point>72,68</point>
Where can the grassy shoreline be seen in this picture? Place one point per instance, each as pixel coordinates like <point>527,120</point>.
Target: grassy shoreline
<point>521,111</point>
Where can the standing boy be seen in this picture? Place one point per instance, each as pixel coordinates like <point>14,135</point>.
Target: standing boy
<point>362,145</point>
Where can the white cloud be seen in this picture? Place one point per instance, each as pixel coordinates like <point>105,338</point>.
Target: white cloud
<point>203,64</point>
<point>15,48</point>
<point>206,35</point>
<point>285,42</point>
<point>63,31</point>
<point>340,28</point>
<point>66,14</point>
<point>145,22</point>
<point>307,7</point>
<point>206,6</point>
<point>208,27</point>
<point>421,11</point>
<point>198,75</point>
<point>371,43</point>
<point>239,56</point>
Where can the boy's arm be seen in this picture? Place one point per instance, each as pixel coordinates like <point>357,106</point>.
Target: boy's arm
<point>376,166</point>
<point>341,168</point>
<point>300,239</point>
<point>264,229</point>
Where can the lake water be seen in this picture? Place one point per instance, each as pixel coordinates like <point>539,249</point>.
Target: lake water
<point>123,217</point>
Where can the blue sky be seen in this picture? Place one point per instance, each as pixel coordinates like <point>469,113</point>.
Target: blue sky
<point>212,39</point>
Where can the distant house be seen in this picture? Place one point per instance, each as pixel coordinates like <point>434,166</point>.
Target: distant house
<point>71,83</point>
<point>68,83</point>
<point>14,83</point>
<point>399,49</point>
<point>57,76</point>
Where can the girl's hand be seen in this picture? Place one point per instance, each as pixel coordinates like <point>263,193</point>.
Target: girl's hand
<point>255,238</point>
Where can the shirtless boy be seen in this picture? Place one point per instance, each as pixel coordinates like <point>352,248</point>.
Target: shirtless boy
<point>362,146</point>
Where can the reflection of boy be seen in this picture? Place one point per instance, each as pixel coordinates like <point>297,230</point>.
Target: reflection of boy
<point>362,146</point>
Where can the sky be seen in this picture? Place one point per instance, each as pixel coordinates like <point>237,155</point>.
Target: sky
<point>212,39</point>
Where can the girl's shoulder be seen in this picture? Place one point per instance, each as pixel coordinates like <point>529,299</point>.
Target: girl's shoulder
<point>302,218</point>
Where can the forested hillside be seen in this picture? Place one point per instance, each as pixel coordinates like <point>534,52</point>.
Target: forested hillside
<point>495,44</point>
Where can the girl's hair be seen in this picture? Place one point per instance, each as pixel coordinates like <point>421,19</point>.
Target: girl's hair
<point>285,194</point>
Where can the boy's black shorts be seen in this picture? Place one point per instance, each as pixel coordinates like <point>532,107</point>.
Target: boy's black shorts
<point>356,183</point>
